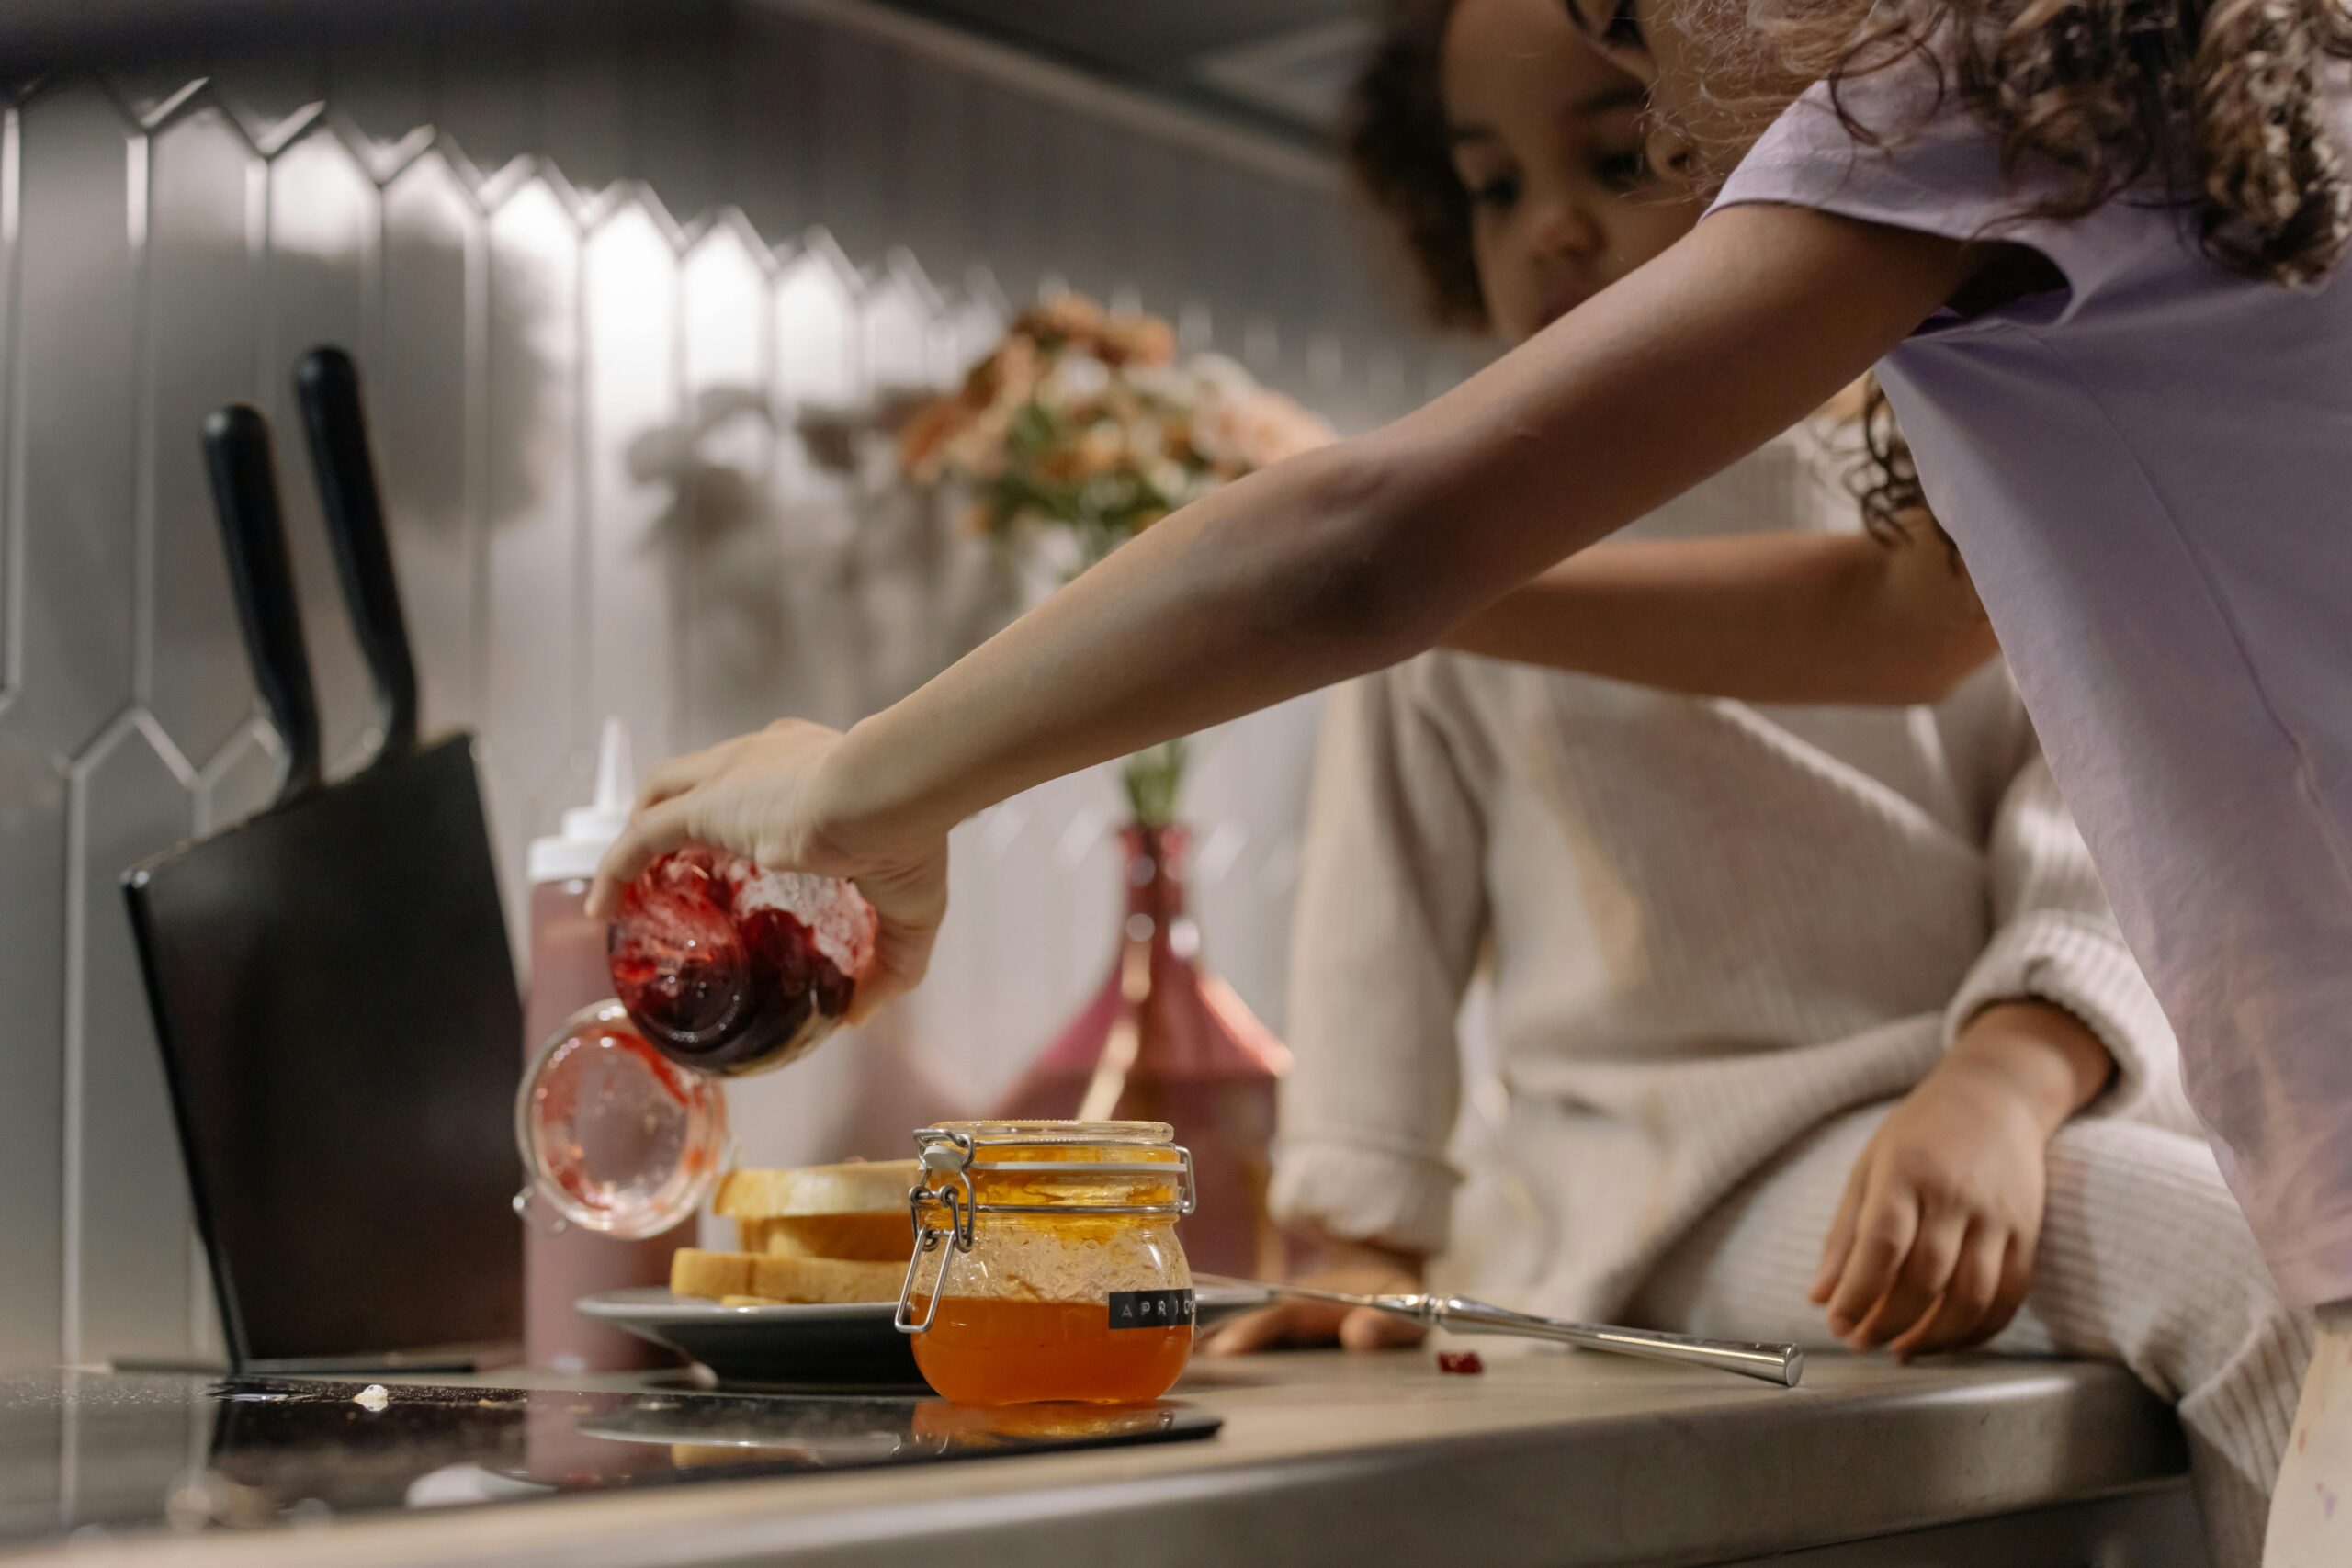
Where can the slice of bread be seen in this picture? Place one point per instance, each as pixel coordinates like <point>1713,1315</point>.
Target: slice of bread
<point>884,1237</point>
<point>860,1187</point>
<point>716,1275</point>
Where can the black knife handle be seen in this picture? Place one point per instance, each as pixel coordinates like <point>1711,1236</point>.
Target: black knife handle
<point>326,386</point>
<point>252,536</point>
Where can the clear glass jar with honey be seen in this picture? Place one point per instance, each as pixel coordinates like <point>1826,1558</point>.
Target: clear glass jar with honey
<point>1046,1264</point>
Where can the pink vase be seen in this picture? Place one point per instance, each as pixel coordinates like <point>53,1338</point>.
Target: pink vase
<point>1164,1042</point>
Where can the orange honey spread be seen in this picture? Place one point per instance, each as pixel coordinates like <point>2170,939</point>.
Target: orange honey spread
<point>985,1350</point>
<point>1061,1298</point>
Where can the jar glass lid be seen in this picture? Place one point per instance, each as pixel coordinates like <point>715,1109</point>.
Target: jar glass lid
<point>613,1136</point>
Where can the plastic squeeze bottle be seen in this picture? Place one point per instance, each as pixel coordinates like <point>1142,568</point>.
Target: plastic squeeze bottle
<point>568,971</point>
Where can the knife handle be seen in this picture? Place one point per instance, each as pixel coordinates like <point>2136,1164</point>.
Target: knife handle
<point>326,388</point>
<point>261,576</point>
<point>1781,1364</point>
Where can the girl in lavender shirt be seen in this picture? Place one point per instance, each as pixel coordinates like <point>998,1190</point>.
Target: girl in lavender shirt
<point>1682,1100</point>
<point>2093,250</point>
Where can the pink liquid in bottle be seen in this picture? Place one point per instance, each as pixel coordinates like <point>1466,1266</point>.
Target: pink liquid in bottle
<point>729,968</point>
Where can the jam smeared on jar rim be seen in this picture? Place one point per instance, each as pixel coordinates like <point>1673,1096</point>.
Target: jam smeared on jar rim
<point>617,1137</point>
<point>729,968</point>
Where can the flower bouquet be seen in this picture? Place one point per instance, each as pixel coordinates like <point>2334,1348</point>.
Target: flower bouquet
<point>1083,428</point>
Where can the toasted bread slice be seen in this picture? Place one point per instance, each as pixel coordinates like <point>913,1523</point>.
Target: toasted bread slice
<point>860,1187</point>
<point>878,1238</point>
<point>718,1275</point>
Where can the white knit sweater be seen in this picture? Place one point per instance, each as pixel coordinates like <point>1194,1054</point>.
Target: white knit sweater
<point>1709,926</point>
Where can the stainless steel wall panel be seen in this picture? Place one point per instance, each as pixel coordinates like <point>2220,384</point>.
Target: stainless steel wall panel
<point>678,135</point>
<point>76,443</point>
<point>390,89</point>
<point>819,372</point>
<point>318,269</point>
<point>533,711</point>
<point>586,113</point>
<point>238,780</point>
<point>1017,237</point>
<point>488,95</point>
<point>734,559</point>
<point>634,625</point>
<point>273,83</point>
<point>199,355</point>
<point>858,181</point>
<point>423,404</point>
<point>127,1259</point>
<point>937,153</point>
<point>778,120</point>
<point>11,362</point>
<point>33,1060</point>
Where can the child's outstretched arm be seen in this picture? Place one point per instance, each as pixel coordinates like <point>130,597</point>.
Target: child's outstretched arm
<point>1780,617</point>
<point>1329,565</point>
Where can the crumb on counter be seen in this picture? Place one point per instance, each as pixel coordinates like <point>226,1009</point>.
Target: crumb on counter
<point>1466,1362</point>
<point>375,1396</point>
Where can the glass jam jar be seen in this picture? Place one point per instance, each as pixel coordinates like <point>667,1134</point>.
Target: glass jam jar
<point>1046,1264</point>
<point>615,1136</point>
<point>728,967</point>
<point>719,968</point>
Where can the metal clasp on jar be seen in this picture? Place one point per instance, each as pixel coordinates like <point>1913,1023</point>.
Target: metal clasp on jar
<point>943,1186</point>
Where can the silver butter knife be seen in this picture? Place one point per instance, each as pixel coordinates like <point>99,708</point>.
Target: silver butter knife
<point>1781,1364</point>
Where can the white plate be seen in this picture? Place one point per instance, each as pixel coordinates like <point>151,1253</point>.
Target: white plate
<point>835,1346</point>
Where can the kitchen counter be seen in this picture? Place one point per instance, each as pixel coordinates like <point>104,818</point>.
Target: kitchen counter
<point>1547,1460</point>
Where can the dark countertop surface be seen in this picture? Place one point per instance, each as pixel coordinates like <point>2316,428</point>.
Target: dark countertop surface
<point>1548,1457</point>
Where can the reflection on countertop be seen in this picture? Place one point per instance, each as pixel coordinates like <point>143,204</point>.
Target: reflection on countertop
<point>84,1454</point>
<point>1548,1459</point>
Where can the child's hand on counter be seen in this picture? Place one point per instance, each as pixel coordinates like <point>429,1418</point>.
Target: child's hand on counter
<point>1932,1245</point>
<point>1362,1267</point>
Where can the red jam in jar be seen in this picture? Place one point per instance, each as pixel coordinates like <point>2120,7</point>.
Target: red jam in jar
<point>731,968</point>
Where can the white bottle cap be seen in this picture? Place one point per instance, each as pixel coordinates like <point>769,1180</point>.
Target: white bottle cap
<point>589,830</point>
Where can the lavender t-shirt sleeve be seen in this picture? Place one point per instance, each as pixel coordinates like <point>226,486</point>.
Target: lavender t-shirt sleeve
<point>1918,161</point>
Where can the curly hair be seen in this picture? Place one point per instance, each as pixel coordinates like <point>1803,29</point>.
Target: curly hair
<point>2221,107</point>
<point>1885,479</point>
<point>1395,139</point>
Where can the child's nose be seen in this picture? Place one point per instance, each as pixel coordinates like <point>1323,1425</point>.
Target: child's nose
<point>1564,227</point>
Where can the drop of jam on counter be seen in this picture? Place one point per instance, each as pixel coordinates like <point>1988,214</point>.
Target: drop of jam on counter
<point>731,968</point>
<point>1464,1362</point>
